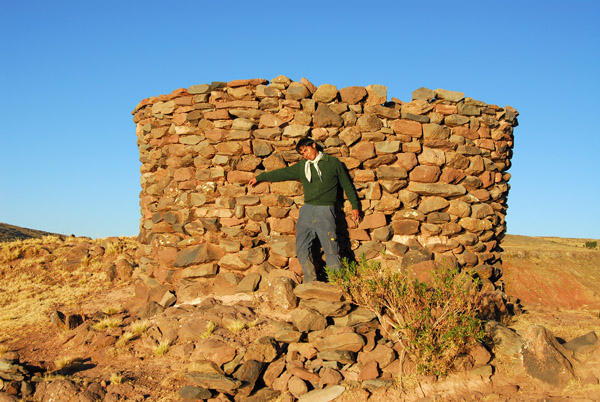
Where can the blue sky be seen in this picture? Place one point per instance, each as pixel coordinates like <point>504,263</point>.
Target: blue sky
<point>71,72</point>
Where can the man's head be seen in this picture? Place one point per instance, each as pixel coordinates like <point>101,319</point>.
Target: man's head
<point>307,147</point>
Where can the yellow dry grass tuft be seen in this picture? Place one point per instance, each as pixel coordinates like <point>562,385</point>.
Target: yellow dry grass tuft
<point>110,322</point>
<point>236,326</point>
<point>140,327</point>
<point>67,363</point>
<point>210,327</point>
<point>162,348</point>
<point>116,378</point>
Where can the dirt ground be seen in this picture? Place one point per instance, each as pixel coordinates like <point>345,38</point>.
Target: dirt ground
<point>556,281</point>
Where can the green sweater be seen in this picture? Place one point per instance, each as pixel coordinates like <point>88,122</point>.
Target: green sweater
<point>319,191</point>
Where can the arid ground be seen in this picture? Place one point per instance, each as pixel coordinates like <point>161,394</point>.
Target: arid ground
<point>556,282</point>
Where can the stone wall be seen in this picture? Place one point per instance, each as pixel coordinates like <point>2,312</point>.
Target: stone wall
<point>431,175</point>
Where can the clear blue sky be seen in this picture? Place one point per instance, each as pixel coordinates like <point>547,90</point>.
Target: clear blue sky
<point>71,72</point>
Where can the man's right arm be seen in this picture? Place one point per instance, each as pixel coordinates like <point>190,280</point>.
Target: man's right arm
<point>283,174</point>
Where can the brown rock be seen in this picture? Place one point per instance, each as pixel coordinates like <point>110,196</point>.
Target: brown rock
<point>273,371</point>
<point>297,386</point>
<point>308,320</point>
<point>304,374</point>
<point>405,227</point>
<point>282,293</point>
<point>350,342</point>
<point>362,151</point>
<point>544,358</point>
<point>382,354</point>
<point>264,349</point>
<point>218,382</point>
<point>352,95</point>
<point>326,117</point>
<point>369,123</point>
<point>213,350</point>
<point>319,291</point>
<point>369,371</point>
<point>408,127</point>
<point>406,160</point>
<point>425,174</point>
<point>330,376</point>
<point>375,220</point>
<point>326,308</point>
<point>248,374</point>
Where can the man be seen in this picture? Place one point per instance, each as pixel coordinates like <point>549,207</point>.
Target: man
<point>320,174</point>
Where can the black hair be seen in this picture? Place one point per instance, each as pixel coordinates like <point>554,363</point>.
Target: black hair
<point>304,142</point>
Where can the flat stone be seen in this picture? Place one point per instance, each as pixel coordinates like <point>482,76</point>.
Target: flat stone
<point>583,345</point>
<point>192,256</point>
<point>323,395</point>
<point>423,93</point>
<point>319,291</point>
<point>391,172</point>
<point>351,342</point>
<point>233,262</point>
<point>218,382</point>
<point>190,392</point>
<point>288,336</point>
<point>440,189</point>
<point>249,283</point>
<point>326,308</point>
<point>262,395</point>
<point>452,96</point>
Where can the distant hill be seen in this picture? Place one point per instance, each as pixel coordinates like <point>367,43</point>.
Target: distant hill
<point>12,233</point>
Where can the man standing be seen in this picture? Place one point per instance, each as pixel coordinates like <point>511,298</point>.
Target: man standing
<point>320,174</point>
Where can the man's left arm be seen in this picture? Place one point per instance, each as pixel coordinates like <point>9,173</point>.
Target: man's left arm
<point>349,190</point>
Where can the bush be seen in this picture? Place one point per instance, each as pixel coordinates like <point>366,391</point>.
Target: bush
<point>434,322</point>
<point>591,244</point>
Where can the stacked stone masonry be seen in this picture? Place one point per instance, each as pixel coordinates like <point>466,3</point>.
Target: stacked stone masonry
<point>431,175</point>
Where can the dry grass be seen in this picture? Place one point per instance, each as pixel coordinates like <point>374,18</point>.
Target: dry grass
<point>124,339</point>
<point>110,322</point>
<point>210,327</point>
<point>236,326</point>
<point>140,327</point>
<point>65,364</point>
<point>36,279</point>
<point>162,348</point>
<point>564,324</point>
<point>116,378</point>
<point>111,310</point>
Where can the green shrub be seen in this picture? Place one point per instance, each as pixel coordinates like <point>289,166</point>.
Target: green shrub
<point>434,322</point>
<point>591,244</point>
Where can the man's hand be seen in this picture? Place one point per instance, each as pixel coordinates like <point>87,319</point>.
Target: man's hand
<point>252,182</point>
<point>355,215</point>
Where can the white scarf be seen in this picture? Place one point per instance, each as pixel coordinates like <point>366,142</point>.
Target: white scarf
<point>314,162</point>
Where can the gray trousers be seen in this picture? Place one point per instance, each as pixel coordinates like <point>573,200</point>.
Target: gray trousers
<point>316,221</point>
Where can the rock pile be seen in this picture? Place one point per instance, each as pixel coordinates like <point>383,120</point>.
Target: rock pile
<point>326,341</point>
<point>431,175</point>
<point>15,378</point>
